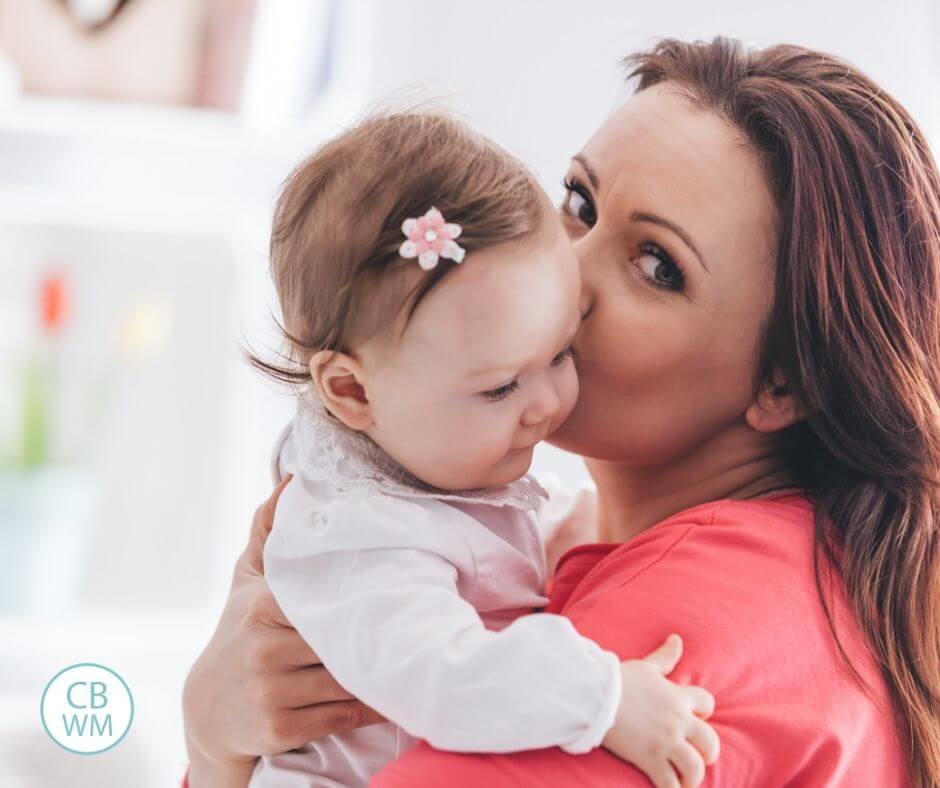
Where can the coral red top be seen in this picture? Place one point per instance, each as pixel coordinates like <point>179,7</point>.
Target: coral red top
<point>735,579</point>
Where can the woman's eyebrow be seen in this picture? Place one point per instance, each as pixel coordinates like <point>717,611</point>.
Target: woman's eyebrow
<point>591,172</point>
<point>652,218</point>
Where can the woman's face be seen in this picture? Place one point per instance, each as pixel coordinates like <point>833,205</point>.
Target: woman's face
<point>673,224</point>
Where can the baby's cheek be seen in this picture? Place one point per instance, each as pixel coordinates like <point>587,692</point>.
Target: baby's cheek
<point>489,436</point>
<point>569,391</point>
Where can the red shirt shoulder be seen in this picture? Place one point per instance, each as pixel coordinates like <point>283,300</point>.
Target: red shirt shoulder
<point>735,579</point>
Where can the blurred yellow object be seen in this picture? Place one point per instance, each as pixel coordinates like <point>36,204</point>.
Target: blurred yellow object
<point>144,328</point>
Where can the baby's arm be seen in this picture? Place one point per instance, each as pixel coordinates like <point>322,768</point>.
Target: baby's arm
<point>389,623</point>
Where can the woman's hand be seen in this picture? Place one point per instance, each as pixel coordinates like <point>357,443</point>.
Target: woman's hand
<point>258,688</point>
<point>660,726</point>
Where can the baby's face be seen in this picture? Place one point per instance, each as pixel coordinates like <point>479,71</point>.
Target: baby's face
<point>484,369</point>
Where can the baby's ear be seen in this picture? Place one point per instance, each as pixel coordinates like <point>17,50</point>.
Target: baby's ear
<point>338,379</point>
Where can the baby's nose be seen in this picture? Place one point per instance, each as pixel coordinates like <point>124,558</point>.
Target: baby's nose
<point>542,408</point>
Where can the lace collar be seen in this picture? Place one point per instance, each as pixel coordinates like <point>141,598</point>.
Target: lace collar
<point>348,460</point>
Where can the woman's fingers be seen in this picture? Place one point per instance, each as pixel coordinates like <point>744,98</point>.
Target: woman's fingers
<point>704,738</point>
<point>665,658</point>
<point>703,702</point>
<point>262,611</point>
<point>260,528</point>
<point>277,650</point>
<point>295,653</point>
<point>307,687</point>
<point>295,727</point>
<point>688,762</point>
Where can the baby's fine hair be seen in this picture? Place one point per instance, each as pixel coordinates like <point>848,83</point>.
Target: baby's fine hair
<point>338,225</point>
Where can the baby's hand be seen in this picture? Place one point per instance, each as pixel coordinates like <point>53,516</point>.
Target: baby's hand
<point>660,725</point>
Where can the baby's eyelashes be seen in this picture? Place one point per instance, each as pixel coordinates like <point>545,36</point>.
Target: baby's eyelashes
<point>494,395</point>
<point>561,358</point>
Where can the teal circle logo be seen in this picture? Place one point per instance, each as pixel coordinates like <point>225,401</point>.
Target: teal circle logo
<point>86,708</point>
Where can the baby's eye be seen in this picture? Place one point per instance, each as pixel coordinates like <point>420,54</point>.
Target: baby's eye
<point>562,357</point>
<point>502,392</point>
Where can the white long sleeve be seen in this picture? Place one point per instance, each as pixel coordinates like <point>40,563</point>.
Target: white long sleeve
<point>377,585</point>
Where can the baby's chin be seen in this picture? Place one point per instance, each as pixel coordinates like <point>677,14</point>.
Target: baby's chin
<point>514,466</point>
<point>511,468</point>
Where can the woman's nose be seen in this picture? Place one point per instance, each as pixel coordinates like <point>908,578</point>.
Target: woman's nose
<point>582,248</point>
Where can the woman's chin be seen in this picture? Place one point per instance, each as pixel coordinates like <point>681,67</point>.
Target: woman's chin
<point>579,435</point>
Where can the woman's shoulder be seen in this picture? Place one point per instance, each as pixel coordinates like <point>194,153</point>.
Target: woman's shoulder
<point>714,573</point>
<point>794,509</point>
<point>703,537</point>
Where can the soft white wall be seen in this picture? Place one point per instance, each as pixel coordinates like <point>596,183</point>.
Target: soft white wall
<point>540,75</point>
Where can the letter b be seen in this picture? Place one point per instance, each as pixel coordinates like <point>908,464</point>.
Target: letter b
<point>99,690</point>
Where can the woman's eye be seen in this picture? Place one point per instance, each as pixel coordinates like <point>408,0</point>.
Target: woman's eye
<point>659,269</point>
<point>502,392</point>
<point>578,202</point>
<point>562,357</point>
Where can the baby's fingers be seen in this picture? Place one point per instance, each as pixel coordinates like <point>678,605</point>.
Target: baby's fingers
<point>665,658</point>
<point>688,762</point>
<point>662,775</point>
<point>703,737</point>
<point>703,702</point>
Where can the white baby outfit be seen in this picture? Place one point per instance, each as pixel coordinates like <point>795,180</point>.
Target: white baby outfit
<point>420,603</point>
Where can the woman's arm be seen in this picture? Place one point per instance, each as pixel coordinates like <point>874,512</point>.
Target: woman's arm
<point>257,688</point>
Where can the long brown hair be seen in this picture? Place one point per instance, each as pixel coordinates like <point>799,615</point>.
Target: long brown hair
<point>855,331</point>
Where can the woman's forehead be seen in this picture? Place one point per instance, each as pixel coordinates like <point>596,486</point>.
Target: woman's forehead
<point>661,153</point>
<point>661,129</point>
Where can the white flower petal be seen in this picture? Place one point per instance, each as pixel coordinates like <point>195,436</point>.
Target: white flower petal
<point>452,251</point>
<point>427,259</point>
<point>433,215</point>
<point>453,230</point>
<point>408,249</point>
<point>409,226</point>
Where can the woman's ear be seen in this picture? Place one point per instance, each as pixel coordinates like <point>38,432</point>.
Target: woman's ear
<point>339,381</point>
<point>775,408</point>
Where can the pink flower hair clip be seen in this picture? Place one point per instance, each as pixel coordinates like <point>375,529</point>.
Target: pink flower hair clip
<point>431,238</point>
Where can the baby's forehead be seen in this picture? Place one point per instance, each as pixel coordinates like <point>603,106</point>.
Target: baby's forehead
<point>499,302</point>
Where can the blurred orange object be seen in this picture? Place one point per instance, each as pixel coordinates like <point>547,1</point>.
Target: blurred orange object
<point>53,302</point>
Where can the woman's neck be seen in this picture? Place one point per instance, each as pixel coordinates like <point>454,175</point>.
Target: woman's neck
<point>632,499</point>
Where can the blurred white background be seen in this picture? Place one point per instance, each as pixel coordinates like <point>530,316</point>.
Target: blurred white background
<point>139,160</point>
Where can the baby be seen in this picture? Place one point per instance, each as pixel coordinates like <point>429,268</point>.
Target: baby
<point>430,299</point>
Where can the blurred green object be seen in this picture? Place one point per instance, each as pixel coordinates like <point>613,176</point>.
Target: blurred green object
<point>39,374</point>
<point>34,450</point>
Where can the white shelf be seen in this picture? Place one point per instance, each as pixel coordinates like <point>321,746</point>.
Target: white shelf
<point>107,166</point>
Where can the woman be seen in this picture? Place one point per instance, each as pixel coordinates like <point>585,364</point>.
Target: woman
<point>759,233</point>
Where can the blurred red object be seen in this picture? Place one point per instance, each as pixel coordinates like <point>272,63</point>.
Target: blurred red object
<point>53,302</point>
